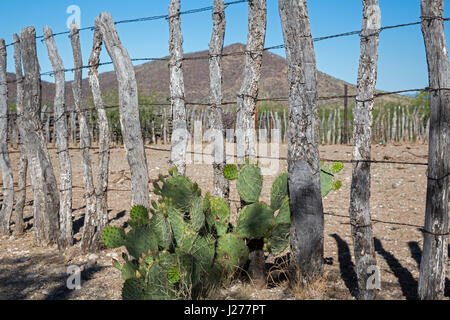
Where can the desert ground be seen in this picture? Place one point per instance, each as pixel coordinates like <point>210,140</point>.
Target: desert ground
<point>397,203</point>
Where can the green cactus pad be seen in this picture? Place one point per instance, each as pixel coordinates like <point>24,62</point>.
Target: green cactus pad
<point>133,289</point>
<point>177,223</point>
<point>250,183</point>
<point>197,214</point>
<point>327,180</point>
<point>187,241</point>
<point>129,270</point>
<point>255,221</point>
<point>219,215</point>
<point>113,237</point>
<point>140,241</point>
<point>139,216</point>
<point>337,167</point>
<point>181,190</point>
<point>279,240</point>
<point>203,251</point>
<point>279,191</point>
<point>230,172</point>
<point>284,215</point>
<point>337,185</point>
<point>161,227</point>
<point>231,252</point>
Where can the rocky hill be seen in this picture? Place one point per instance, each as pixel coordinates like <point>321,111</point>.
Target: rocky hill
<point>154,77</point>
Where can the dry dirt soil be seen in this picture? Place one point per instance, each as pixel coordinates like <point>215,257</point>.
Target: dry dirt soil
<point>398,196</point>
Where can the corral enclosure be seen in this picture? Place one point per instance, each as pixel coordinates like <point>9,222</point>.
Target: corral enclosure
<point>101,155</point>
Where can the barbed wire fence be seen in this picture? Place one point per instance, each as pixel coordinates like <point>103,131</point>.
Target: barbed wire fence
<point>239,53</point>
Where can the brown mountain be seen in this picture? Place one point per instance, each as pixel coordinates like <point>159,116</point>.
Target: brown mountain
<point>154,77</point>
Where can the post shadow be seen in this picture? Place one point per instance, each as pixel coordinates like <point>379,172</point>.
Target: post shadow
<point>407,282</point>
<point>346,265</point>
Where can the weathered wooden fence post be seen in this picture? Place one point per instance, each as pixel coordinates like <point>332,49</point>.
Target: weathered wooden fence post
<point>179,131</point>
<point>435,245</point>
<point>23,162</point>
<point>303,151</point>
<point>104,137</point>
<point>360,219</point>
<point>129,110</point>
<point>221,185</point>
<point>65,168</point>
<point>45,190</point>
<point>248,94</point>
<point>88,242</point>
<point>5,162</point>
<point>245,120</point>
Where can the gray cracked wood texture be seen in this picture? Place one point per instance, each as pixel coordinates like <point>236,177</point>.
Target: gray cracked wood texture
<point>104,138</point>
<point>129,110</point>
<point>180,132</point>
<point>5,162</point>
<point>221,185</point>
<point>62,141</point>
<point>43,181</point>
<point>21,193</point>
<point>88,242</point>
<point>435,246</point>
<point>307,226</point>
<point>361,224</point>
<point>248,94</point>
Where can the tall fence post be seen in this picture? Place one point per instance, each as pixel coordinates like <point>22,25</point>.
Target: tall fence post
<point>45,190</point>
<point>435,245</point>
<point>104,137</point>
<point>129,111</point>
<point>88,236</point>
<point>23,162</point>
<point>248,94</point>
<point>179,131</point>
<point>246,109</point>
<point>65,168</point>
<point>360,220</point>
<point>221,185</point>
<point>5,162</point>
<point>307,220</point>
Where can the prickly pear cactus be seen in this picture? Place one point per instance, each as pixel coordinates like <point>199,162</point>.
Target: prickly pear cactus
<point>139,217</point>
<point>218,216</point>
<point>255,221</point>
<point>279,191</point>
<point>179,189</point>
<point>279,240</point>
<point>328,182</point>
<point>250,183</point>
<point>232,252</point>
<point>140,241</point>
<point>230,172</point>
<point>113,237</point>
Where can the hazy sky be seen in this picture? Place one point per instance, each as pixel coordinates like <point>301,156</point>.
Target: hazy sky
<point>402,63</point>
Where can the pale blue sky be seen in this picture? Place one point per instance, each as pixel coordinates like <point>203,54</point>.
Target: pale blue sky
<point>402,63</point>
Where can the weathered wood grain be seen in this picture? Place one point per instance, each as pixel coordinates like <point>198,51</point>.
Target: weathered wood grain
<point>88,242</point>
<point>435,245</point>
<point>43,181</point>
<point>248,94</point>
<point>129,110</point>
<point>221,185</point>
<point>179,133</point>
<point>5,162</point>
<point>307,220</point>
<point>104,137</point>
<point>21,193</point>
<point>360,219</point>
<point>62,138</point>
